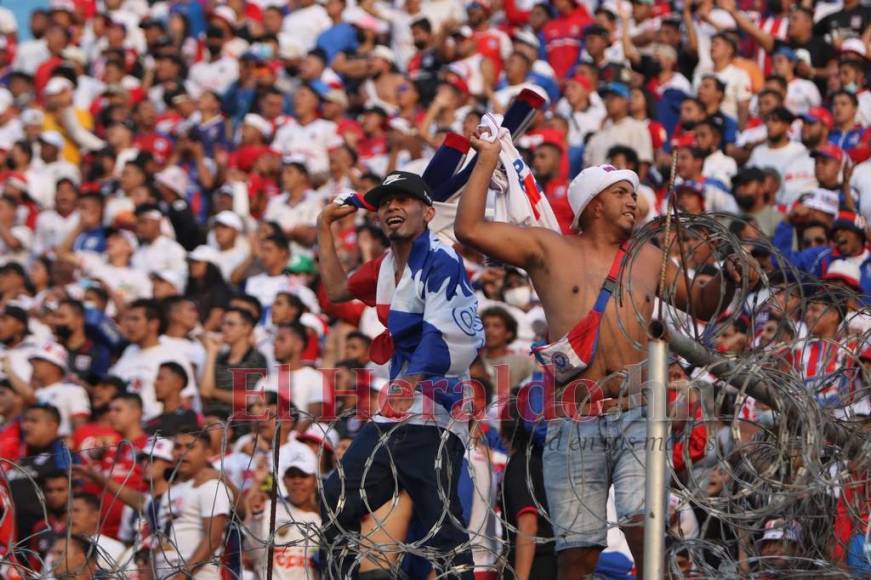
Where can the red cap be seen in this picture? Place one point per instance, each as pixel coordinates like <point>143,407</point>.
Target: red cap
<point>583,81</point>
<point>686,140</point>
<point>457,82</point>
<point>819,115</point>
<point>829,150</point>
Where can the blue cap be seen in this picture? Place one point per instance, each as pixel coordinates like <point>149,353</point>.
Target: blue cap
<point>787,52</point>
<point>620,89</point>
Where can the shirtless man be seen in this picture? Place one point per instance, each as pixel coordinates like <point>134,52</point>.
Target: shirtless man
<point>568,272</point>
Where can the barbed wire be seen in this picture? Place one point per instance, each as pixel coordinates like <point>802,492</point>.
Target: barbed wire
<point>757,466</point>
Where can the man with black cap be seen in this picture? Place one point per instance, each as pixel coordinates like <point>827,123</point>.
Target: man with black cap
<point>778,151</point>
<point>423,297</point>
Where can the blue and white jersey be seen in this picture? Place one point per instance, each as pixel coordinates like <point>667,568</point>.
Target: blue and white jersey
<point>433,329</point>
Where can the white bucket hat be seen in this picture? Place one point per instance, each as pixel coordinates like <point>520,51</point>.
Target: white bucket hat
<point>594,180</point>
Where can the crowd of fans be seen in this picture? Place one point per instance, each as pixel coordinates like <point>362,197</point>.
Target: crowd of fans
<point>164,163</point>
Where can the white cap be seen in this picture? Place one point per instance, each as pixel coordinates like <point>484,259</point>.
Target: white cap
<point>524,36</point>
<point>300,457</point>
<point>174,178</point>
<point>204,254</point>
<point>846,271</point>
<point>57,85</point>
<point>128,236</point>
<point>381,51</point>
<point>822,200</point>
<point>337,96</point>
<point>52,138</point>
<point>74,54</point>
<point>288,47</point>
<point>32,117</point>
<point>66,5</point>
<point>159,448</point>
<point>6,100</point>
<point>229,219</point>
<point>225,13</point>
<point>594,180</point>
<point>321,434</point>
<point>177,278</point>
<point>854,45</point>
<point>258,123</point>
<point>53,353</point>
<point>803,55</point>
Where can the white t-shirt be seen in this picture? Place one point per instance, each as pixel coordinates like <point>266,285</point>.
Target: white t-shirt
<point>861,182</point>
<point>798,178</point>
<point>720,166</point>
<point>306,385</point>
<point>181,510</point>
<point>302,213</point>
<point>10,132</point>
<point>132,284</point>
<point>70,399</point>
<point>215,76</point>
<point>779,159</point>
<point>25,237</point>
<point>139,368</point>
<point>109,553</point>
<point>582,123</point>
<point>296,541</point>
<point>311,142</point>
<point>629,132</point>
<point>306,24</point>
<point>192,350</point>
<point>52,229</point>
<point>265,288</point>
<point>159,256</point>
<point>864,114</point>
<point>737,83</point>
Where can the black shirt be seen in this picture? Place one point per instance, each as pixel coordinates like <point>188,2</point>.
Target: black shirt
<point>516,500</point>
<point>844,24</point>
<point>169,424</point>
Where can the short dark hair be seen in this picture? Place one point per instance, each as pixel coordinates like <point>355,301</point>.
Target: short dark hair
<point>201,435</point>
<point>279,240</point>
<point>251,301</point>
<point>89,498</point>
<point>628,153</point>
<point>76,305</point>
<point>152,310</point>
<point>92,195</point>
<point>50,410</point>
<point>298,329</point>
<point>133,398</point>
<point>294,300</point>
<point>146,207</point>
<point>850,95</point>
<point>422,23</point>
<point>243,314</point>
<point>721,86</point>
<point>54,474</point>
<point>177,370</point>
<point>356,334</point>
<point>509,321</point>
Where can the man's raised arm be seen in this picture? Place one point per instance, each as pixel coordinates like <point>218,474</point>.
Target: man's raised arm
<point>514,245</point>
<point>334,277</point>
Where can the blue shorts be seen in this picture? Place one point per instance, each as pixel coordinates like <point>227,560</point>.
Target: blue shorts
<point>582,459</point>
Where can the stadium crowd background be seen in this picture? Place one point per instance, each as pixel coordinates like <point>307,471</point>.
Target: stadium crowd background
<point>163,167</point>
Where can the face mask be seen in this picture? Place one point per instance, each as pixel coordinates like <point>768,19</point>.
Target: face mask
<point>10,163</point>
<point>745,202</point>
<point>63,332</point>
<point>851,88</point>
<point>518,297</point>
<point>89,306</point>
<point>765,418</point>
<point>214,50</point>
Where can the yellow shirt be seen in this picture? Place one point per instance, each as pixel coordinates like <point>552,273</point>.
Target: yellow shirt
<point>71,151</point>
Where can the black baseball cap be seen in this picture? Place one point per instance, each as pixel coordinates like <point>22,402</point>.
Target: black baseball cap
<point>16,312</point>
<point>402,182</point>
